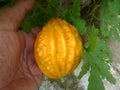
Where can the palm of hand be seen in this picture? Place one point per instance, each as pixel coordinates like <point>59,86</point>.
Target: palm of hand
<point>17,65</point>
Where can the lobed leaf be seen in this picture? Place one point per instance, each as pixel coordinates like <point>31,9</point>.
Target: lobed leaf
<point>40,14</point>
<point>99,57</point>
<point>95,80</point>
<point>72,15</point>
<point>85,68</point>
<point>110,19</point>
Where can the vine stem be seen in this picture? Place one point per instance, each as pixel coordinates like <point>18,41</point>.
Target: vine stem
<point>62,80</point>
<point>59,9</point>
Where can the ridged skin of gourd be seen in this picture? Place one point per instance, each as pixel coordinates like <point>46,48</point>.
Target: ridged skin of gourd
<point>58,48</point>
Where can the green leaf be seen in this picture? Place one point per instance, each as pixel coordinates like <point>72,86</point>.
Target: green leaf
<point>95,80</point>
<point>84,69</point>
<point>103,50</point>
<point>103,67</point>
<point>26,26</point>
<point>92,37</point>
<point>86,45</point>
<point>97,58</point>
<point>101,57</point>
<point>72,15</point>
<point>40,14</point>
<point>80,25</point>
<point>7,2</point>
<point>105,71</point>
<point>110,18</point>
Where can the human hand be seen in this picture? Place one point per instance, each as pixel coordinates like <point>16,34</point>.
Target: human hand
<point>18,70</point>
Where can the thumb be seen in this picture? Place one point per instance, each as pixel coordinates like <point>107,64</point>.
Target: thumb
<point>11,17</point>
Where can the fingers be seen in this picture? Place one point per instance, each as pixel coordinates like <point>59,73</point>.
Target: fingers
<point>29,60</point>
<point>35,31</point>
<point>25,4</point>
<point>11,17</point>
<point>35,72</point>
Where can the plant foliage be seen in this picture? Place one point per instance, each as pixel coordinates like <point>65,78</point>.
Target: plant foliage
<point>110,16</point>
<point>97,54</point>
<point>97,58</point>
<point>40,14</point>
<point>72,15</point>
<point>6,2</point>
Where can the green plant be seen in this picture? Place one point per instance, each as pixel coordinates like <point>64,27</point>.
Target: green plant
<point>97,22</point>
<point>6,2</point>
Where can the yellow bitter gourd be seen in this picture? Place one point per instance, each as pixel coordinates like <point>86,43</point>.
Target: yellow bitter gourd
<point>58,48</point>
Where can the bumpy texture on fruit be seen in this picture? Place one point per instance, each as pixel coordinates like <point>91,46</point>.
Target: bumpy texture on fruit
<point>58,48</point>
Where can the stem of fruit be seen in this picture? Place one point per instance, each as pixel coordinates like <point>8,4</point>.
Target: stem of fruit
<point>62,80</point>
<point>60,6</point>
